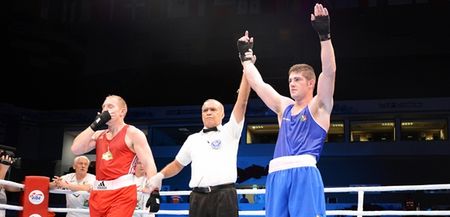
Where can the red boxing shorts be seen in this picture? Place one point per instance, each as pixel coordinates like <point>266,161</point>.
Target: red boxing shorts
<point>113,198</point>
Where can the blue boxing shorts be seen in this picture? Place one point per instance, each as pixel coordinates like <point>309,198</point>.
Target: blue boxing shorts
<point>294,188</point>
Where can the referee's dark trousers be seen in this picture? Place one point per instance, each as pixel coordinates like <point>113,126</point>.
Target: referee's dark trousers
<point>214,201</point>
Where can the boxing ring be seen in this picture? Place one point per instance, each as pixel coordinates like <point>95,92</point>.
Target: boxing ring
<point>36,196</point>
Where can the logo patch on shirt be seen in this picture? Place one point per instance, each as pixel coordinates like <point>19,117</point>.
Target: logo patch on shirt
<point>215,144</point>
<point>101,185</point>
<point>303,118</point>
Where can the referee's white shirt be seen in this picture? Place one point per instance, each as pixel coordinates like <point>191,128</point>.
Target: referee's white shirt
<point>213,155</point>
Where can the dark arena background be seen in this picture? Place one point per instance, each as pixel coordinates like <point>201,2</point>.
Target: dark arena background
<point>165,57</point>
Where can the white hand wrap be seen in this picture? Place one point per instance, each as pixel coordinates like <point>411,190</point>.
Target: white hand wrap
<point>155,182</point>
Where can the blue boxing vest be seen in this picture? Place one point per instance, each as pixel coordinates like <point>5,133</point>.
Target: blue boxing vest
<point>299,134</point>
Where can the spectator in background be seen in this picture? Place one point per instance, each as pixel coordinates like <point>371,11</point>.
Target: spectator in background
<point>176,199</point>
<point>5,162</point>
<point>80,182</point>
<point>142,191</point>
<point>243,199</point>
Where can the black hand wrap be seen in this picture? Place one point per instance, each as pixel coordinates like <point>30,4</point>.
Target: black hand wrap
<point>243,47</point>
<point>100,120</point>
<point>7,162</point>
<point>154,201</point>
<point>7,154</point>
<point>322,26</point>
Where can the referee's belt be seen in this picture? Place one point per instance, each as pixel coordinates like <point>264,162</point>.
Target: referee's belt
<point>209,189</point>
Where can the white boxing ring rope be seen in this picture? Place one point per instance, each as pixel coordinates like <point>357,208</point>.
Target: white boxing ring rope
<point>359,212</point>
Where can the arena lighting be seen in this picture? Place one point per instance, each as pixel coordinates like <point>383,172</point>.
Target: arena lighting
<point>407,123</point>
<point>337,125</point>
<point>387,124</point>
<point>257,127</point>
